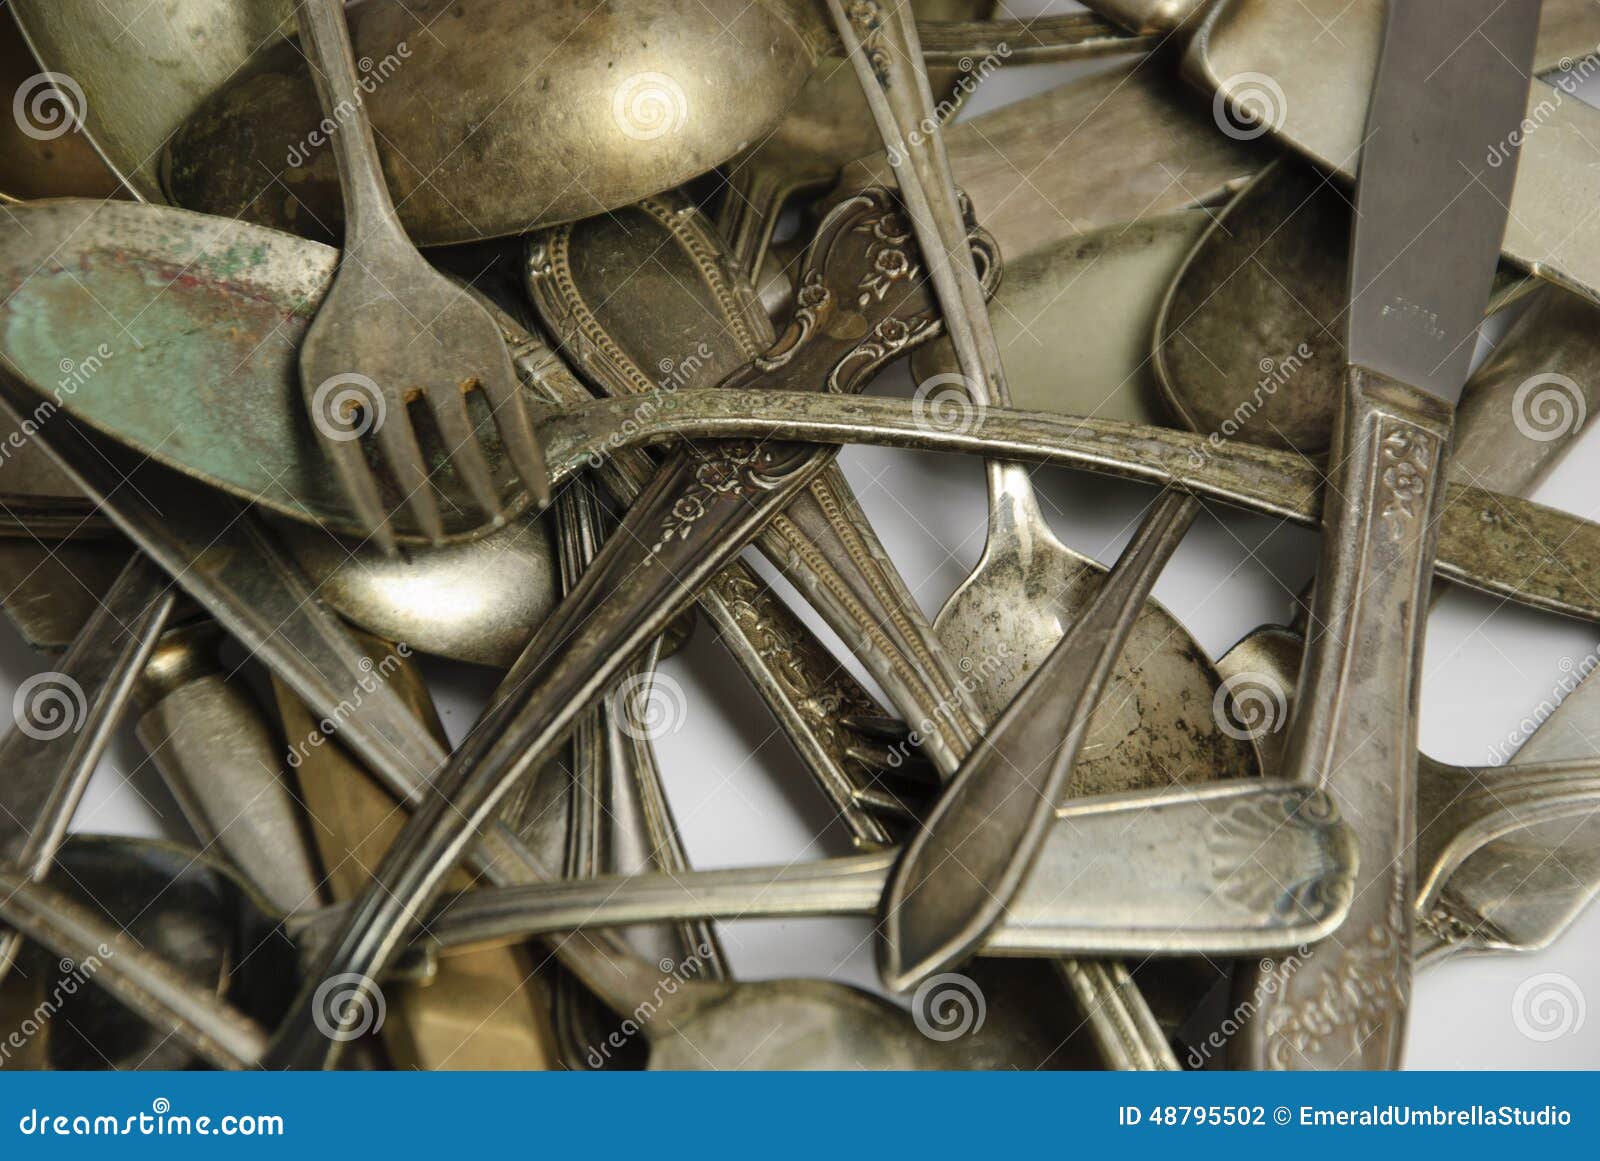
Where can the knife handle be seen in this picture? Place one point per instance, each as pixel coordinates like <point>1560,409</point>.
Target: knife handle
<point>1343,1004</point>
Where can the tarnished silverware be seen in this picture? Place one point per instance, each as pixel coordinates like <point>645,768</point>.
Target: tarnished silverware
<point>1011,605</point>
<point>960,870</point>
<point>1497,544</point>
<point>261,447</point>
<point>392,329</point>
<point>591,281</point>
<point>704,505</point>
<point>65,719</point>
<point>651,94</point>
<point>1316,101</point>
<point>618,818</point>
<point>224,765</point>
<point>1430,214</point>
<point>1504,853</point>
<point>1264,842</point>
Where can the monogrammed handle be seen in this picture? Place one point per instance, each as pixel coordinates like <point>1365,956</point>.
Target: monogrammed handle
<point>1354,731</point>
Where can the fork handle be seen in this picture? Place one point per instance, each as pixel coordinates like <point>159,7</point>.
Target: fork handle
<point>1343,1005</point>
<point>369,212</point>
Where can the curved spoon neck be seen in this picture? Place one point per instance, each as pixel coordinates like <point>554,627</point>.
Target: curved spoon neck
<point>1014,512</point>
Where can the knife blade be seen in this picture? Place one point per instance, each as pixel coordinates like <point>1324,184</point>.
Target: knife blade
<point>1451,85</point>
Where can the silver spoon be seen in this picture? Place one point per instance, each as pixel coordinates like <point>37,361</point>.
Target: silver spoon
<point>1010,598</point>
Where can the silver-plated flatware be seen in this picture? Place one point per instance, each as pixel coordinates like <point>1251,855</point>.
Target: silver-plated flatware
<point>1431,211</point>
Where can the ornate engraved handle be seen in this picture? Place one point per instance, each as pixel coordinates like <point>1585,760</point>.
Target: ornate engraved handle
<point>1344,1004</point>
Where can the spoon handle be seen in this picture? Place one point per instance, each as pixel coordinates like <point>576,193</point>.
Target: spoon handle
<point>369,211</point>
<point>959,873</point>
<point>1228,868</point>
<point>65,719</point>
<point>1497,544</point>
<point>221,761</point>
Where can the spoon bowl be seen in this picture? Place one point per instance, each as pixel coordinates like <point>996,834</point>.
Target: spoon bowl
<point>652,94</point>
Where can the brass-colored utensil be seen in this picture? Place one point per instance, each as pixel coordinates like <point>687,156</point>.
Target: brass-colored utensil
<point>481,1008</point>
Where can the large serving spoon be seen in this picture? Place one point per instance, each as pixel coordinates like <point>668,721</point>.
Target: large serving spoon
<point>652,94</point>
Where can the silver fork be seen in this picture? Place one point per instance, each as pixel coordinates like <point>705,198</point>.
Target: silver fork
<point>392,330</point>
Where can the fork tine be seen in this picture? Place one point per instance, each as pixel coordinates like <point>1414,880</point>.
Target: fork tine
<point>361,488</point>
<point>504,393</point>
<point>462,446</point>
<point>403,454</point>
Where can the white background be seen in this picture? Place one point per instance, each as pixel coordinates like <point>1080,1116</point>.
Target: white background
<point>742,798</point>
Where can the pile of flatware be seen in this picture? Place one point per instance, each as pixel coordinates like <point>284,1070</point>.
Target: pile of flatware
<point>611,287</point>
